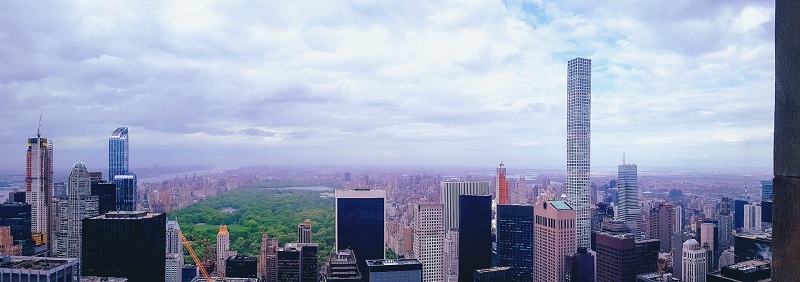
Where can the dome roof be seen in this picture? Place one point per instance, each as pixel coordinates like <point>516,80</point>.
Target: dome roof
<point>79,165</point>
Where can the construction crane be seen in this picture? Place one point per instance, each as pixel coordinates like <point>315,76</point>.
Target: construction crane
<point>194,256</point>
<point>500,164</point>
<point>662,266</point>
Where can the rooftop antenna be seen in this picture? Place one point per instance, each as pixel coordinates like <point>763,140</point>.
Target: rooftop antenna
<point>40,126</point>
<point>623,158</point>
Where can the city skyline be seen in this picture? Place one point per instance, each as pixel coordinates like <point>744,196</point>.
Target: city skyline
<point>394,83</point>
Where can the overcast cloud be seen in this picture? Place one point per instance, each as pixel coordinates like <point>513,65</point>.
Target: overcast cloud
<point>675,83</point>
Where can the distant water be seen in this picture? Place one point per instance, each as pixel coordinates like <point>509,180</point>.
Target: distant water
<point>228,210</point>
<point>180,175</point>
<point>305,188</point>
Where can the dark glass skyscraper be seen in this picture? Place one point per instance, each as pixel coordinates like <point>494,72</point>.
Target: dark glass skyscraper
<point>475,235</point>
<point>125,244</point>
<point>515,240</point>
<point>738,213</point>
<point>360,224</point>
<point>118,172</point>
<point>107,196</point>
<point>18,217</point>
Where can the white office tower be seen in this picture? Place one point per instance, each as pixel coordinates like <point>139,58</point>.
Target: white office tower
<point>223,249</point>
<point>174,244</point>
<point>80,204</point>
<point>174,252</point>
<point>453,188</point>
<point>628,196</point>
<point>752,218</point>
<point>579,105</point>
<point>695,262</point>
<point>429,240</point>
<point>174,267</point>
<point>451,256</point>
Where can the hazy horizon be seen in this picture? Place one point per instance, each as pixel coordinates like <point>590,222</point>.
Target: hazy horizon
<point>434,84</point>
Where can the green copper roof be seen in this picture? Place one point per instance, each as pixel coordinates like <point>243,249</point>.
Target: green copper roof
<point>560,205</point>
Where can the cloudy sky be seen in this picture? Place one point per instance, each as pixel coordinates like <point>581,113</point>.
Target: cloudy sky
<point>440,83</point>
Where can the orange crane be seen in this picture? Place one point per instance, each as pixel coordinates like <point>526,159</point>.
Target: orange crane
<point>194,256</point>
<point>662,266</point>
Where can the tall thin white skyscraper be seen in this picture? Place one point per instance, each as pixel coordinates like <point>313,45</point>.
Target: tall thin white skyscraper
<point>174,254</point>
<point>678,227</point>
<point>39,183</point>
<point>428,240</point>
<point>579,106</point>
<point>628,196</point>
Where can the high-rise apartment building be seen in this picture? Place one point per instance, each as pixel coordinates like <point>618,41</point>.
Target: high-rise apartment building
<point>515,240</point>
<point>620,256</point>
<point>579,105</point>
<point>661,220</point>
<point>501,183</point>
<point>752,218</point>
<point>118,170</point>
<point>39,184</point>
<point>709,237</point>
<point>429,239</point>
<point>766,190</point>
<point>678,226</point>
<point>360,222</point>
<point>304,232</point>
<point>80,204</point>
<point>628,196</point>
<point>125,244</point>
<point>343,267</point>
<point>451,256</point>
<point>580,266</point>
<point>695,262</point>
<point>475,235</point>
<point>223,249</point>
<point>453,188</point>
<point>173,267</point>
<point>267,263</point>
<point>554,228</point>
<point>298,263</point>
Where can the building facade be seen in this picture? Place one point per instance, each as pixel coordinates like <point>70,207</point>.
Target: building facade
<point>360,222</point>
<point>453,188</point>
<point>628,196</point>
<point>118,170</point>
<point>429,239</point>
<point>125,244</point>
<point>304,232</point>
<point>223,249</point>
<point>515,240</point>
<point>80,204</point>
<point>621,257</point>
<point>501,183</point>
<point>695,262</point>
<point>661,220</point>
<point>17,216</point>
<point>394,270</point>
<point>554,228</point>
<point>752,218</point>
<point>267,264</point>
<point>475,235</point>
<point>39,184</point>
<point>579,105</point>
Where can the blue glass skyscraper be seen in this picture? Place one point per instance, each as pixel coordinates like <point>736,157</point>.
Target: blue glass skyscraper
<point>118,153</point>
<point>118,170</point>
<point>515,240</point>
<point>766,190</point>
<point>475,235</point>
<point>360,224</point>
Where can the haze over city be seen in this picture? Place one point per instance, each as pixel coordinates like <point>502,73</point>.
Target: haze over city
<point>674,84</point>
